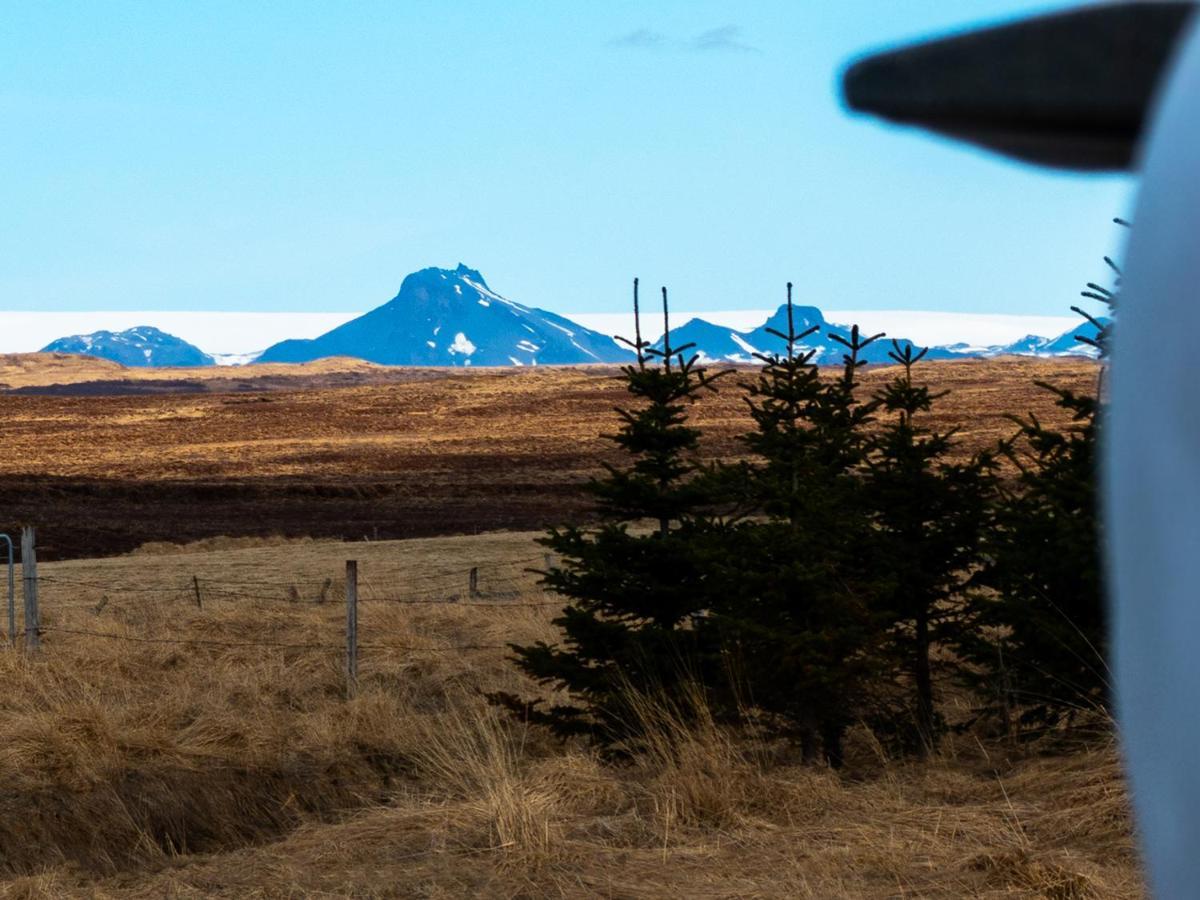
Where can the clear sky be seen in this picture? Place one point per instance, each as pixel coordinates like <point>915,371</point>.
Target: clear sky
<point>306,156</point>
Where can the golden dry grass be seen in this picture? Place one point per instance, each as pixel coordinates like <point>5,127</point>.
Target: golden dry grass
<point>405,453</point>
<point>552,416</point>
<point>23,370</point>
<point>135,769</point>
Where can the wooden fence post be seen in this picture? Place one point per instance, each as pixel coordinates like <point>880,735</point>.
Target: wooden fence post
<point>30,584</point>
<point>351,627</point>
<point>196,588</point>
<point>12,596</point>
<point>473,583</point>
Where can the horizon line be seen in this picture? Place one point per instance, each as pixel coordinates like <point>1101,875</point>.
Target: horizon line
<point>26,331</point>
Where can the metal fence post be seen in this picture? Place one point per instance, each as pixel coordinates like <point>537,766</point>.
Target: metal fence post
<point>30,584</point>
<point>351,627</point>
<point>12,593</point>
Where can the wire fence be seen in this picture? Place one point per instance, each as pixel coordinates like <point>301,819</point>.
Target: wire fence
<point>503,586</point>
<point>494,586</point>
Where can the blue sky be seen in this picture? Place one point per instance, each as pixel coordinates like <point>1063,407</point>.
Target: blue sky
<point>306,156</point>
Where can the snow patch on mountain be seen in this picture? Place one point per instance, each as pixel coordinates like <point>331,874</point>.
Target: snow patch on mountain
<point>462,345</point>
<point>743,343</point>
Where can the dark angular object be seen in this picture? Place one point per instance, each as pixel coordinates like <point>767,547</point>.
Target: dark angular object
<point>1069,89</point>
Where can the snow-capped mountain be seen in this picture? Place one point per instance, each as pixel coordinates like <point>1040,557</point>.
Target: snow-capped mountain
<point>141,346</point>
<point>1030,345</point>
<point>1066,344</point>
<point>450,317</point>
<point>717,344</point>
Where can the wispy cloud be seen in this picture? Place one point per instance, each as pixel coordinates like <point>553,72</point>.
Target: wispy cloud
<point>724,39</point>
<point>642,38</point>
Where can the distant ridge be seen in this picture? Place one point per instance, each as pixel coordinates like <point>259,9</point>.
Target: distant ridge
<point>717,343</point>
<point>141,347</point>
<point>1068,343</point>
<point>450,317</point>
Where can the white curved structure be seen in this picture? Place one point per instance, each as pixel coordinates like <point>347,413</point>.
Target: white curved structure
<point>1152,489</point>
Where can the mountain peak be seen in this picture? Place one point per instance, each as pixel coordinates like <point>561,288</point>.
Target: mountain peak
<point>803,318</point>
<point>450,317</point>
<point>433,278</point>
<point>473,274</point>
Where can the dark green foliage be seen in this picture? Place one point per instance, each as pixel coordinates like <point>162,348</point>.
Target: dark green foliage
<point>797,641</point>
<point>633,595</point>
<point>789,611</point>
<point>1040,627</point>
<point>659,482</point>
<point>822,582</point>
<point>929,517</point>
<point>809,432</point>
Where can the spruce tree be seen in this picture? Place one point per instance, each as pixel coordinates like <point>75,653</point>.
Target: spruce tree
<point>790,615</point>
<point>636,581</point>
<point>929,515</point>
<point>1040,641</point>
<point>1040,651</point>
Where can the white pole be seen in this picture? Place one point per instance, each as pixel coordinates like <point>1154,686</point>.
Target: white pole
<point>1152,488</point>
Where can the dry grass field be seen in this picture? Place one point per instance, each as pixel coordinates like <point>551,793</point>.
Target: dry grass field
<point>390,453</point>
<point>34,372</point>
<point>157,748</point>
<point>186,729</point>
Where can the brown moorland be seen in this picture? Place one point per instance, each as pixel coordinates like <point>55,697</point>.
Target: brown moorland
<point>185,732</point>
<point>344,449</point>
<point>31,372</point>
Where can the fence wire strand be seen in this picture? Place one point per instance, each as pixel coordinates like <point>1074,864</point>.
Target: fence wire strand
<point>472,586</point>
<point>493,593</point>
<point>208,583</point>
